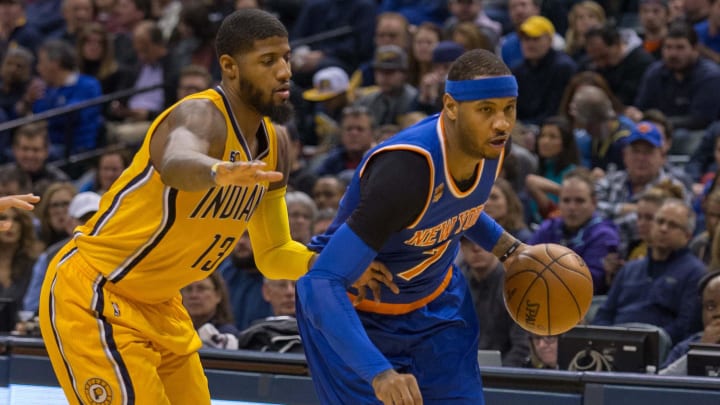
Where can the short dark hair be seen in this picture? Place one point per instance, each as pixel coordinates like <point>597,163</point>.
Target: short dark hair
<point>61,52</point>
<point>477,62</point>
<point>608,33</point>
<point>239,31</point>
<point>680,29</point>
<point>706,279</point>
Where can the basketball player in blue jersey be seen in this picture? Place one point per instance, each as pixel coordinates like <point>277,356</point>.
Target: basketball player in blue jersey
<point>23,202</point>
<point>411,200</point>
<point>210,167</point>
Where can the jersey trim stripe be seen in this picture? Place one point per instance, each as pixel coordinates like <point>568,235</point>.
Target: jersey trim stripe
<point>109,345</point>
<point>431,166</point>
<point>169,197</point>
<point>233,122</point>
<point>386,308</point>
<point>51,312</point>
<point>448,176</point>
<point>132,185</point>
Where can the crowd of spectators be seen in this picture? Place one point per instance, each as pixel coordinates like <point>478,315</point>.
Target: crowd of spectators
<point>613,98</point>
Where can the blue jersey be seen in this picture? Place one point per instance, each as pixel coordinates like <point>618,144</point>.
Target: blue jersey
<point>430,328</point>
<point>420,256</point>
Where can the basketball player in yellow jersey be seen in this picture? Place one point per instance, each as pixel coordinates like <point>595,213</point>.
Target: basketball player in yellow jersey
<point>210,167</point>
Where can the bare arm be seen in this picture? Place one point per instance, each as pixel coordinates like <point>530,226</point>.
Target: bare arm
<point>187,143</point>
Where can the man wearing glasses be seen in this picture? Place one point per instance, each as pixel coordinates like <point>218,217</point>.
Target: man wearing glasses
<point>661,288</point>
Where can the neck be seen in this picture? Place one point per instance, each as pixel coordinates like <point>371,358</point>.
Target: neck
<point>201,320</point>
<point>660,255</point>
<point>461,165</point>
<point>247,117</point>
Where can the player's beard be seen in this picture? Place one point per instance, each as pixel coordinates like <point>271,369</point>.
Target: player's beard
<point>253,96</point>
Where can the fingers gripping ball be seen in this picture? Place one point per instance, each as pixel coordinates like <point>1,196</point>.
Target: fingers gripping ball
<point>548,289</point>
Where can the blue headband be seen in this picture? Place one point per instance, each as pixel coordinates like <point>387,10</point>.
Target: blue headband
<point>481,89</point>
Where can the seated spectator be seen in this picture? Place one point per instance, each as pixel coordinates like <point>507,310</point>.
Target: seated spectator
<point>557,155</point>
<point>15,75</point>
<point>510,48</point>
<point>708,32</point>
<point>424,40</point>
<point>155,67</point>
<point>682,85</point>
<point>391,29</point>
<point>470,36</point>
<point>356,138</point>
<point>701,245</point>
<point>582,16</point>
<point>663,125</point>
<point>600,131</point>
<point>301,215</point>
<point>543,73</point>
<point>193,79</point>
<point>53,212</point>
<point>327,192</point>
<point>323,220</point>
<point>418,11</point>
<point>580,227</point>
<point>394,96</point>
<point>82,207</point>
<point>13,181</point>
<point>207,304</point>
<point>195,44</point>
<point>654,17</point>
<point>328,97</point>
<point>618,191</point>
<point>504,206</point>
<point>18,250</point>
<point>72,132</point>
<point>648,204</point>
<point>472,12</point>
<point>702,159</point>
<point>244,283</point>
<point>96,57</point>
<point>620,63</point>
<point>346,51</point>
<point>280,294</point>
<point>31,150</point>
<point>14,28</point>
<point>110,166</point>
<point>709,289</point>
<point>485,275</point>
<point>543,352</point>
<point>76,14</point>
<point>660,289</point>
<point>432,83</point>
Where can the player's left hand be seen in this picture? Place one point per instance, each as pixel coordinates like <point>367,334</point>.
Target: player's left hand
<point>510,260</point>
<point>23,202</point>
<point>375,275</point>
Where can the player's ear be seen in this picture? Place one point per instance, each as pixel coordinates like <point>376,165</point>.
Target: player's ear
<point>450,106</point>
<point>229,66</point>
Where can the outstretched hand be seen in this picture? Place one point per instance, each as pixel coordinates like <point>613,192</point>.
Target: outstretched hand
<point>375,275</point>
<point>245,173</point>
<point>23,202</point>
<point>393,388</point>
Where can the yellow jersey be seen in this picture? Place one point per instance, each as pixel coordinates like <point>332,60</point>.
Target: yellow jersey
<point>149,240</point>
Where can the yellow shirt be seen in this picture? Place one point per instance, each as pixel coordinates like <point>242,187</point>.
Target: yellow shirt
<point>150,239</point>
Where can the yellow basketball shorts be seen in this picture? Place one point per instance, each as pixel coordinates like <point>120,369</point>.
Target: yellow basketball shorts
<point>106,349</point>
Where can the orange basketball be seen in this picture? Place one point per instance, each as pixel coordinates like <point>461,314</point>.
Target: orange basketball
<point>548,289</point>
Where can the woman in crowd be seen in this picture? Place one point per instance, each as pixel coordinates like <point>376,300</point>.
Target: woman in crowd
<point>53,212</point>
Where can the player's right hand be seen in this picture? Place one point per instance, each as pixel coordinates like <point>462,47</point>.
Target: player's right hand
<point>393,388</point>
<point>244,173</point>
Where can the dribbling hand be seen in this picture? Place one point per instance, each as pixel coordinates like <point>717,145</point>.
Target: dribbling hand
<point>393,388</point>
<point>374,275</point>
<point>244,173</point>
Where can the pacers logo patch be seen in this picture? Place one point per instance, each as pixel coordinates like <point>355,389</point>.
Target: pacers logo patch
<point>98,391</point>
